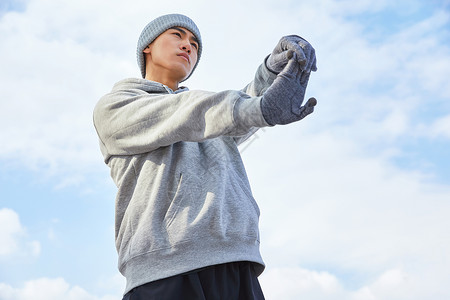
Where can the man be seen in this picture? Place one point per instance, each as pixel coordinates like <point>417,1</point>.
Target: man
<point>186,221</point>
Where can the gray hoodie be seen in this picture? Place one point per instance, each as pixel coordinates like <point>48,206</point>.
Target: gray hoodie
<point>184,201</point>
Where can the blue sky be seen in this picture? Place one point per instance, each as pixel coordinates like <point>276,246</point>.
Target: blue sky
<point>354,199</point>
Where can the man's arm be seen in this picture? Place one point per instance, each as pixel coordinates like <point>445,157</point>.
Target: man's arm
<point>131,121</point>
<point>261,82</point>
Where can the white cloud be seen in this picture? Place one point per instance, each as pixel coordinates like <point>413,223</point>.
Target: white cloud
<point>52,74</point>
<point>292,283</point>
<point>13,238</point>
<point>325,203</point>
<point>10,229</point>
<point>440,128</point>
<point>396,284</point>
<point>49,289</point>
<point>297,283</point>
<point>35,248</point>
<point>392,284</point>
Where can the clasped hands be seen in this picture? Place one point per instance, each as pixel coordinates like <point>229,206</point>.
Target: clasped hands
<point>293,59</point>
<point>284,51</point>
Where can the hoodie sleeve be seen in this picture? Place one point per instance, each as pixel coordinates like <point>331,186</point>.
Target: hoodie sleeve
<point>131,121</point>
<point>262,81</point>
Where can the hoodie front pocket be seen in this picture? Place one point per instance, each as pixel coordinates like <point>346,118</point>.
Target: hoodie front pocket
<point>175,203</point>
<point>188,210</point>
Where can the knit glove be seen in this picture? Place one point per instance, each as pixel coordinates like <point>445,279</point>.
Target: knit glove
<point>281,103</point>
<point>306,55</point>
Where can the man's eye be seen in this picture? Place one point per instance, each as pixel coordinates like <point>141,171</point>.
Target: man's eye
<point>195,45</point>
<point>177,34</point>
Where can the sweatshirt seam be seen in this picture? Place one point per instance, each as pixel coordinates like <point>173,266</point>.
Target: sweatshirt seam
<point>233,114</point>
<point>98,134</point>
<point>181,243</point>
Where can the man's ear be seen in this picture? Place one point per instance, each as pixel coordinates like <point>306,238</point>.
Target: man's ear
<point>147,49</point>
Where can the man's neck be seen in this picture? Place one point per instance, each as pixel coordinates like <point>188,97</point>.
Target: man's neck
<point>173,84</point>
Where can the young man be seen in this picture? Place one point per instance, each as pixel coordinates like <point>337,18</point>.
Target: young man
<point>186,221</point>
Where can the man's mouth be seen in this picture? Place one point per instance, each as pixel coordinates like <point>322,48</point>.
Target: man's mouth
<point>184,55</point>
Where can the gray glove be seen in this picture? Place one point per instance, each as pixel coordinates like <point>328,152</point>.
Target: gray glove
<point>306,55</point>
<point>281,103</point>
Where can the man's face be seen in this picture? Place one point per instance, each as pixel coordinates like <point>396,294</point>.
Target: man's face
<point>174,53</point>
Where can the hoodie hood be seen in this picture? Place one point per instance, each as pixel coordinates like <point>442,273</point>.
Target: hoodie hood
<point>151,87</point>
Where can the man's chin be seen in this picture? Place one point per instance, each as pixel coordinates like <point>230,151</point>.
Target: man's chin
<point>185,76</point>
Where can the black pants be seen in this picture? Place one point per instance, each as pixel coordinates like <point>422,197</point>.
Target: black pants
<point>231,281</point>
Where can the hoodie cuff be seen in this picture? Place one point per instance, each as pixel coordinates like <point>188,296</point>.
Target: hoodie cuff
<point>247,112</point>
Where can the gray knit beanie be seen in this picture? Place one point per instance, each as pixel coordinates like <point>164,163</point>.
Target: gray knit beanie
<point>158,26</point>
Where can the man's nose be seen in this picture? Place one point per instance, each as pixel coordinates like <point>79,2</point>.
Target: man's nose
<point>186,46</point>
